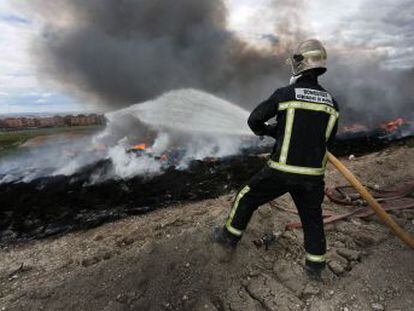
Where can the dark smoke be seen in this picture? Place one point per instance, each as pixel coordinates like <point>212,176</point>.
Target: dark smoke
<point>122,51</point>
<point>371,62</point>
<point>369,93</point>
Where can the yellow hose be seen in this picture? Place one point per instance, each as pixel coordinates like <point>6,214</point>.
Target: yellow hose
<point>382,214</point>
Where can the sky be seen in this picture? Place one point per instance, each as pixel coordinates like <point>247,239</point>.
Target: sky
<point>384,26</point>
<point>20,89</point>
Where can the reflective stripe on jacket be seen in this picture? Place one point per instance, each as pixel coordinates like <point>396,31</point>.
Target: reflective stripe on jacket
<point>307,121</point>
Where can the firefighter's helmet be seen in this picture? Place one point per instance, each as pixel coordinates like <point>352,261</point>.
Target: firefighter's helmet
<point>309,54</point>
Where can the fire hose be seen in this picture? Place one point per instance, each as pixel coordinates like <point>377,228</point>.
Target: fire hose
<point>382,214</point>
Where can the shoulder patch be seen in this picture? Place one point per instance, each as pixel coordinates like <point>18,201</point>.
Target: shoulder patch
<point>314,96</point>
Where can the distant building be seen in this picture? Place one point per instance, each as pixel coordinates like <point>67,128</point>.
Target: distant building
<point>55,121</point>
<point>13,123</point>
<point>59,121</point>
<point>71,120</point>
<point>45,122</point>
<point>28,122</point>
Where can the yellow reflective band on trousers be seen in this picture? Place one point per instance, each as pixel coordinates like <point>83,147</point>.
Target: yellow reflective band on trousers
<point>315,258</point>
<point>325,159</point>
<point>239,196</point>
<point>290,116</point>
<point>308,106</point>
<point>296,169</point>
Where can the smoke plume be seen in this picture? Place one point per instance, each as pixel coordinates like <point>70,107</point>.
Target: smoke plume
<point>120,52</point>
<point>124,52</point>
<point>371,62</point>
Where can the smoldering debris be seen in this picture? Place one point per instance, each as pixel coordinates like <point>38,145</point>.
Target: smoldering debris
<point>171,130</point>
<point>57,204</point>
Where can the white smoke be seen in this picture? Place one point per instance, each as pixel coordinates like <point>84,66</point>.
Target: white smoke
<point>182,125</point>
<point>175,128</point>
<point>127,165</point>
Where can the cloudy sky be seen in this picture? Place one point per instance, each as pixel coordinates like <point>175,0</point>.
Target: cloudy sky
<point>20,91</point>
<point>384,27</point>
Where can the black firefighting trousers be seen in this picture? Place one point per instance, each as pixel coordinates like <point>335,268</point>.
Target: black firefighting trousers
<point>267,185</point>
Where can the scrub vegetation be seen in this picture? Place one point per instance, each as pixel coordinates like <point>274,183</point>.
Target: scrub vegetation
<point>10,141</point>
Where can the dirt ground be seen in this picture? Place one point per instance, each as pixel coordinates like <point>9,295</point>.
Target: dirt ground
<point>165,260</point>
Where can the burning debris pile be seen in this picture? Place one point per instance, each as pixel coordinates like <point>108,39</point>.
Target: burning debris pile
<point>143,139</point>
<point>185,145</point>
<point>52,205</point>
<point>359,139</point>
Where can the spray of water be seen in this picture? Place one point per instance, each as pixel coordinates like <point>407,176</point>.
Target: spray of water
<point>185,124</point>
<point>190,111</point>
<point>176,128</point>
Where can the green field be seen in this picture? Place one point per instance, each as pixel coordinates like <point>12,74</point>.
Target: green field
<point>11,140</point>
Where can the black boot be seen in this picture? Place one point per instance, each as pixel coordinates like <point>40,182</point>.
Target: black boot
<point>314,270</point>
<point>221,236</point>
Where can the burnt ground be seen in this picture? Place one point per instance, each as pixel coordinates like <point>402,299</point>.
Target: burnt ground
<point>59,204</point>
<point>165,260</point>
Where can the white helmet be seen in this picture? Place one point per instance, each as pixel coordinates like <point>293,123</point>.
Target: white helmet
<point>309,54</point>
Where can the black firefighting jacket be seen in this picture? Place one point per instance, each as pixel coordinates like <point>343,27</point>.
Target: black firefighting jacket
<point>307,121</point>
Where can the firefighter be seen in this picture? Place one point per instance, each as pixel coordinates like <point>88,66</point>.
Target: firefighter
<point>306,116</point>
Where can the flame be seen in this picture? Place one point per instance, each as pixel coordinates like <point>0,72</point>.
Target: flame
<point>393,125</point>
<point>139,147</point>
<point>355,127</point>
